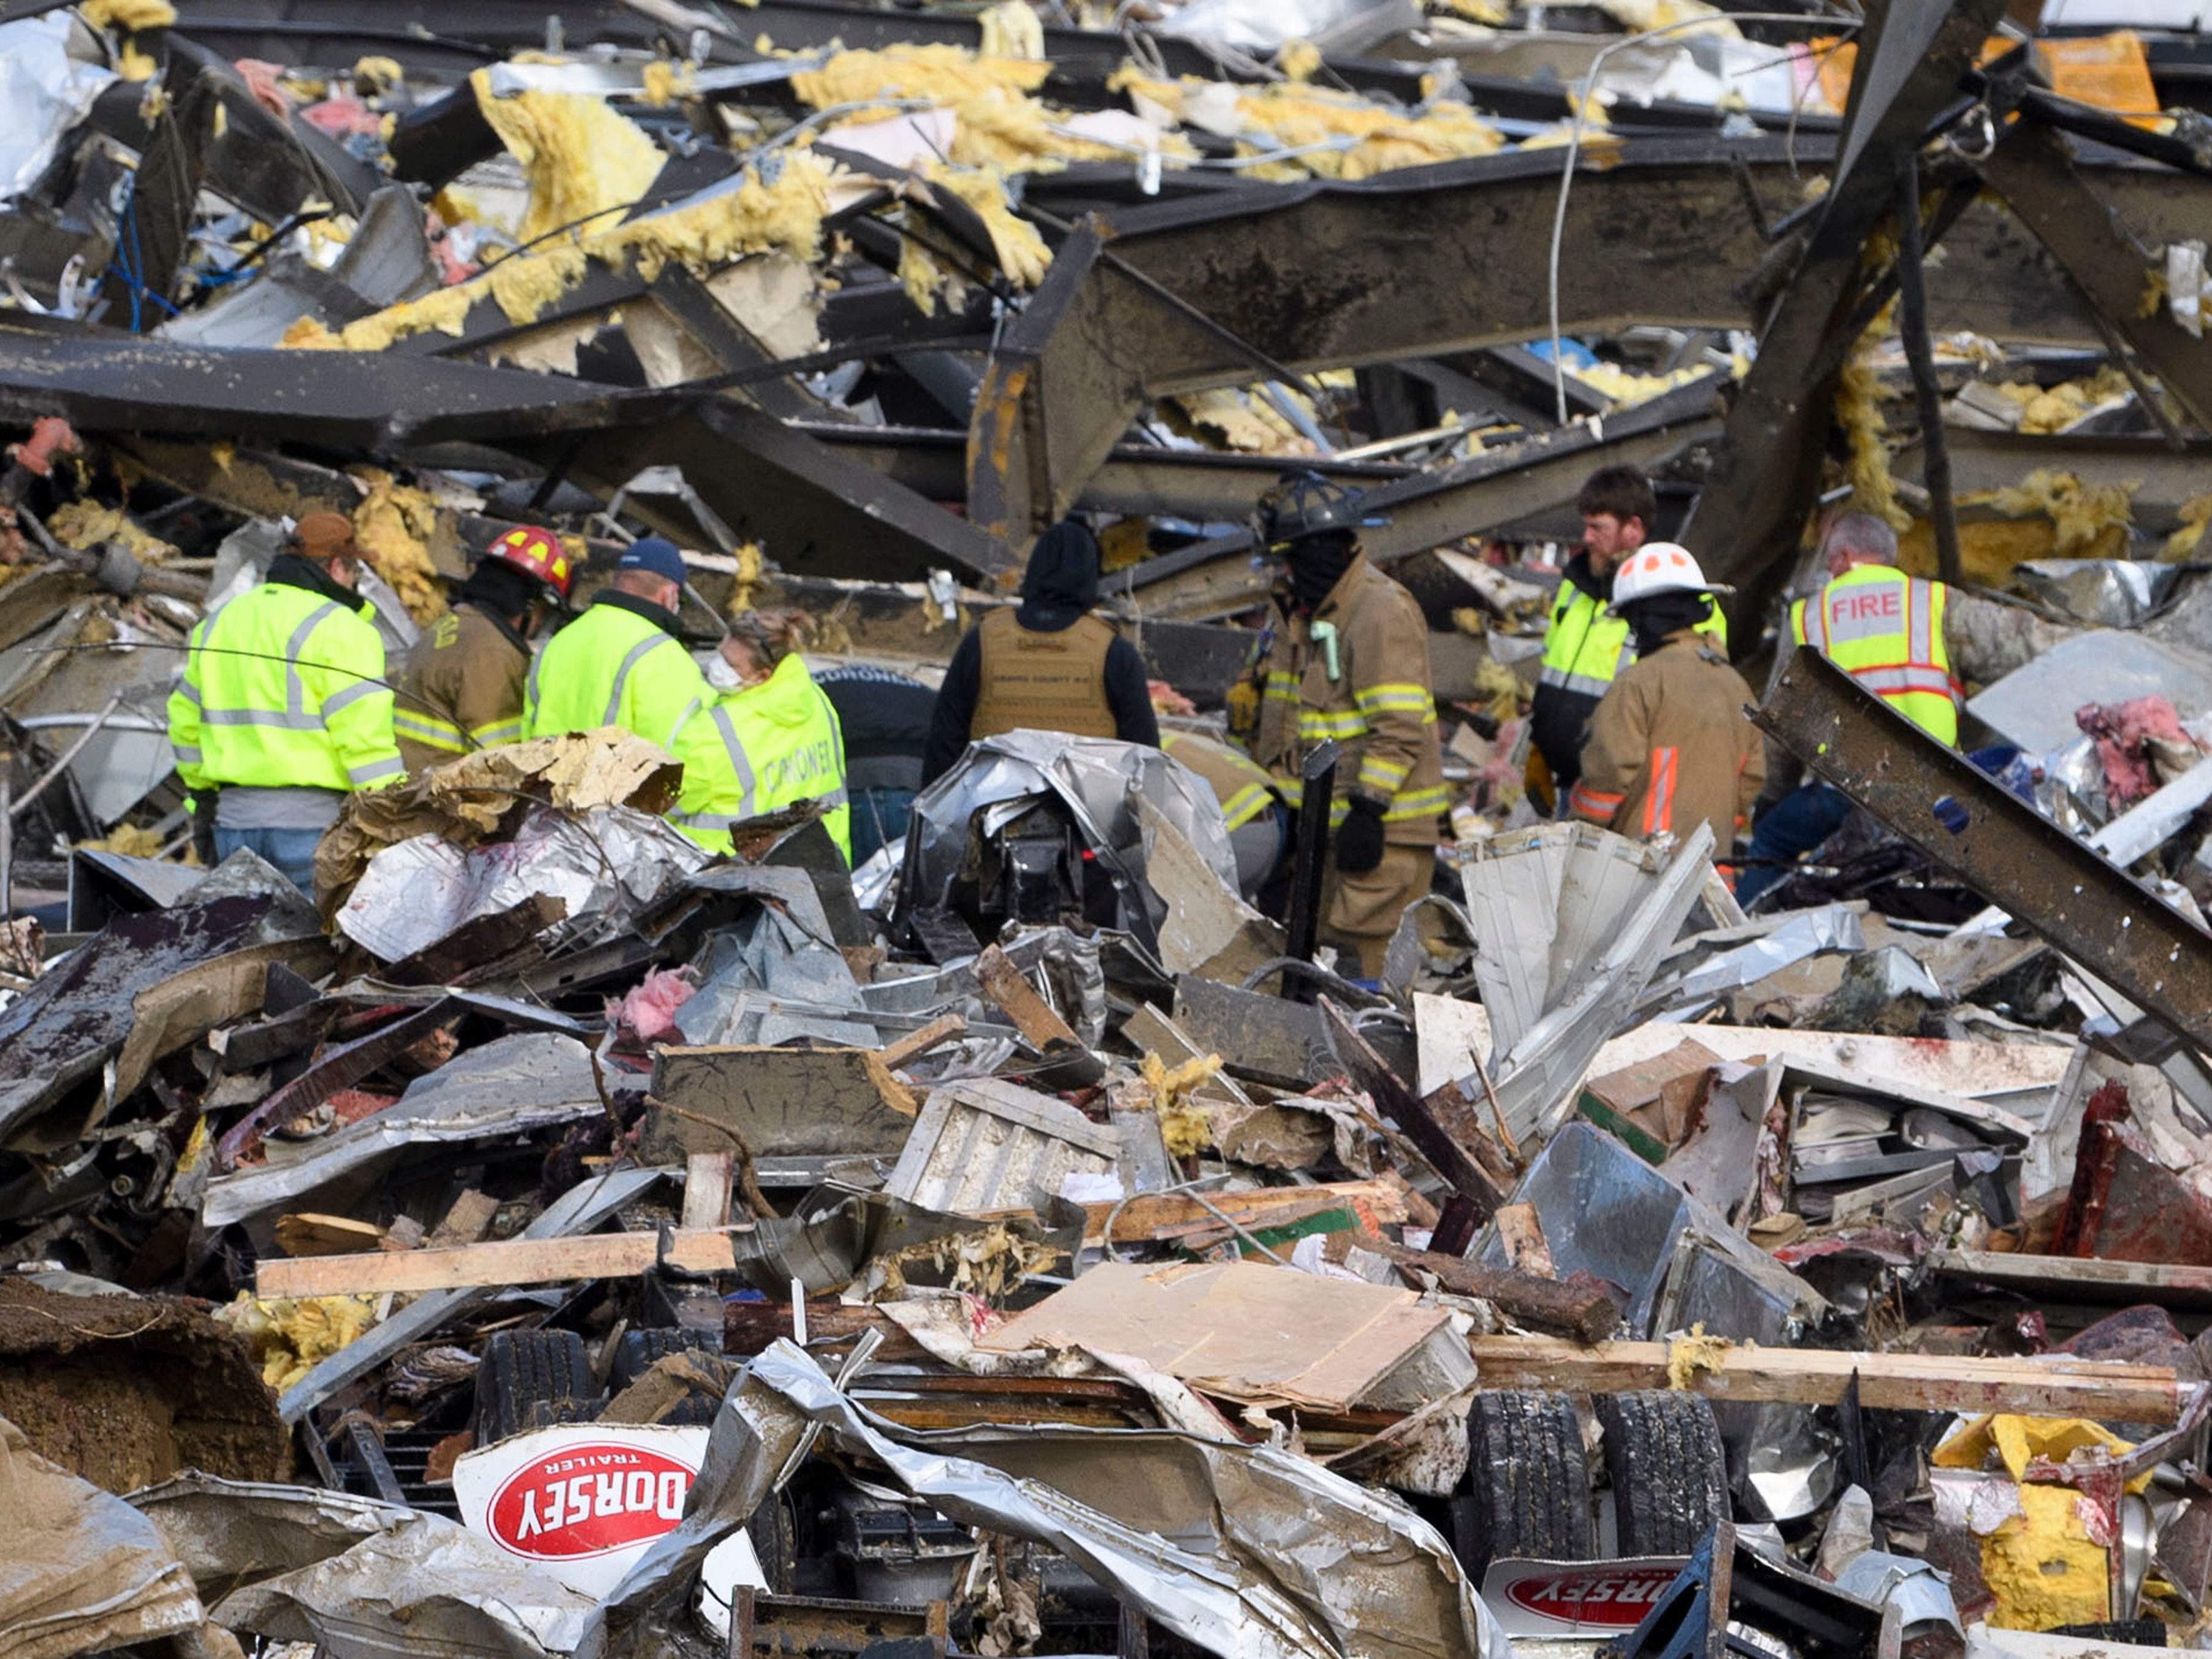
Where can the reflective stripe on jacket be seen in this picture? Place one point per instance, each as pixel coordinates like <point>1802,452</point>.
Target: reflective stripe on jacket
<point>780,744</point>
<point>283,687</point>
<point>461,688</point>
<point>1380,707</point>
<point>1671,745</point>
<point>1885,629</point>
<point>1240,783</point>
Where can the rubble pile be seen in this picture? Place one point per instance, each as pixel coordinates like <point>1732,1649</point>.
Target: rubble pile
<point>555,1235</point>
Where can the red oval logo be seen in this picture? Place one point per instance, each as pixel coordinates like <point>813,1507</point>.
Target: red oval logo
<point>589,1499</point>
<point>1614,1596</point>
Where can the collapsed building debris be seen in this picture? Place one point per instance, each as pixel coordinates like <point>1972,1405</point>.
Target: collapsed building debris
<point>973,1203</point>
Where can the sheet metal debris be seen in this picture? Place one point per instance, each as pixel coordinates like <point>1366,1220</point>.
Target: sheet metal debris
<point>1029,1242</point>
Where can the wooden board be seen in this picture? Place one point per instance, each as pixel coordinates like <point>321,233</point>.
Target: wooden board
<point>2050,1386</point>
<point>1147,1215</point>
<point>1238,1329</point>
<point>508,1262</point>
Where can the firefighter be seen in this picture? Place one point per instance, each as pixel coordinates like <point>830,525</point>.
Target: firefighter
<point>1048,665</point>
<point>464,683</point>
<point>623,663</point>
<point>1347,657</point>
<point>282,707</point>
<point>1670,744</point>
<point>1250,805</point>
<point>1586,646</point>
<point>776,729</point>
<point>1885,629</point>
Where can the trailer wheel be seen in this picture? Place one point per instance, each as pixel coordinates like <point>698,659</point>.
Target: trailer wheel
<point>1669,1475</point>
<point>1528,1491</point>
<point>532,1380</point>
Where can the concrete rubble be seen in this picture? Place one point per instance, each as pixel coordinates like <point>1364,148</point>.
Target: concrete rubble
<point>553,1240</point>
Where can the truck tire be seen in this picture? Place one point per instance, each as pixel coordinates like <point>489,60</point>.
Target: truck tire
<point>1527,1483</point>
<point>532,1380</point>
<point>1669,1475</point>
<point>774,1544</point>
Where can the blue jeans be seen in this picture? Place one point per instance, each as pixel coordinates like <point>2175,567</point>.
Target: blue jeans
<point>878,820</point>
<point>292,851</point>
<point>1796,824</point>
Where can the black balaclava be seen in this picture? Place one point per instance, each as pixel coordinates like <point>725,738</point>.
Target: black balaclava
<point>1653,621</point>
<point>1317,564</point>
<point>1062,574</point>
<point>500,590</point>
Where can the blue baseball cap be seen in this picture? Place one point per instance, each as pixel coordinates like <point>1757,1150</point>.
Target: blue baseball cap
<point>655,554</point>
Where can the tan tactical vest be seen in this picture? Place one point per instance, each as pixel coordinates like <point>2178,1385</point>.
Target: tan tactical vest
<point>1048,682</point>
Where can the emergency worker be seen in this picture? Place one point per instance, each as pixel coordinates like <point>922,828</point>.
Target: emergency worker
<point>1347,658</point>
<point>1883,628</point>
<point>282,707</point>
<point>1250,805</point>
<point>1048,665</point>
<point>1670,743</point>
<point>465,681</point>
<point>777,731</point>
<point>623,663</point>
<point>1586,646</point>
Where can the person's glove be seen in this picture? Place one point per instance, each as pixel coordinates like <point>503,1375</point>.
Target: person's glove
<point>1360,837</point>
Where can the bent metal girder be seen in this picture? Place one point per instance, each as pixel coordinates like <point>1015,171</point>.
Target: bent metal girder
<point>1434,260</point>
<point>1971,826</point>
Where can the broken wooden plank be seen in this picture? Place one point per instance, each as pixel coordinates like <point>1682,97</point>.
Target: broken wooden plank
<point>1581,1311</point>
<point>2046,1386</point>
<point>2080,1278</point>
<point>945,1028</point>
<point>1148,1214</point>
<point>1403,1108</point>
<point>1522,1233</point>
<point>708,1180</point>
<point>305,1234</point>
<point>586,1205</point>
<point>1016,998</point>
<point>507,1262</point>
<point>469,1220</point>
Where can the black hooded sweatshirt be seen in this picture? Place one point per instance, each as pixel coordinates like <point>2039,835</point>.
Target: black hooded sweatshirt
<point>1060,586</point>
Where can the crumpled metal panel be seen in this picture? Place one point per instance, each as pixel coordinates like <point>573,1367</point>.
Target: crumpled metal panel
<point>1095,778</point>
<point>989,1144</point>
<point>2108,593</point>
<point>1606,1212</point>
<point>510,1086</point>
<point>60,1032</point>
<point>609,865</point>
<point>1246,1550</point>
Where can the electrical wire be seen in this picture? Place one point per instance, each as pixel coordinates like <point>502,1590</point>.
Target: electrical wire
<point>1575,145</point>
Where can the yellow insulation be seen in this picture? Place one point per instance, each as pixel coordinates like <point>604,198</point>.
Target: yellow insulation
<point>2196,513</point>
<point>2081,514</point>
<point>1011,30</point>
<point>751,218</point>
<point>128,13</point>
<point>1021,252</point>
<point>1858,412</point>
<point>287,1337</point>
<point>940,74</point>
<point>392,523</point>
<point>1292,115</point>
<point>582,157</point>
<point>87,525</point>
<point>1244,421</point>
<point>1184,1124</point>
